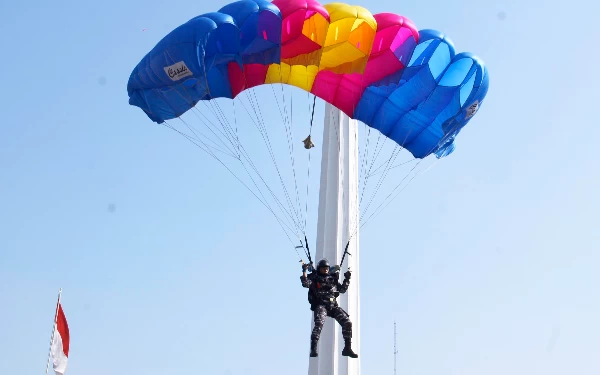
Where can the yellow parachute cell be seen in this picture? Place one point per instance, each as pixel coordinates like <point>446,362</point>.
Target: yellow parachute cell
<point>349,39</point>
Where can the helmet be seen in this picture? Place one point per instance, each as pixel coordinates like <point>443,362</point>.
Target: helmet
<point>322,263</point>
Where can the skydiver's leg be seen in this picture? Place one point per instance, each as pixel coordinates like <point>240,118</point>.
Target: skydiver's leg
<point>343,319</point>
<point>320,313</point>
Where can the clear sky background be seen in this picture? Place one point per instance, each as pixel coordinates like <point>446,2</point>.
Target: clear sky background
<point>488,262</point>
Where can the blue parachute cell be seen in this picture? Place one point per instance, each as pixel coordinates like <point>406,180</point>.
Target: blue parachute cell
<point>260,30</point>
<point>191,63</point>
<point>425,106</point>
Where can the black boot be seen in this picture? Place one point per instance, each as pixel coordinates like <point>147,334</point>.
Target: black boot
<point>348,349</point>
<point>313,348</point>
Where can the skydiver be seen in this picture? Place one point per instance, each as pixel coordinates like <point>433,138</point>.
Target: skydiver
<point>323,289</point>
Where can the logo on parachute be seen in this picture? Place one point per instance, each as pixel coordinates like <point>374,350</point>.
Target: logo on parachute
<point>472,110</point>
<point>178,71</point>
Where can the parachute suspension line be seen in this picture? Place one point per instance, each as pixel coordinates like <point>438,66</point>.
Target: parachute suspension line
<point>198,139</point>
<point>258,122</point>
<point>363,173</point>
<point>359,169</point>
<point>234,175</point>
<point>192,140</point>
<point>357,172</point>
<point>192,104</point>
<point>263,202</point>
<point>377,210</point>
<point>307,186</point>
<point>375,172</point>
<point>343,173</point>
<point>220,115</point>
<point>189,100</point>
<point>256,108</point>
<point>290,135</point>
<point>214,133</point>
<point>210,153</point>
<point>212,108</point>
<point>194,131</point>
<point>368,173</point>
<point>302,216</point>
<point>244,153</point>
<point>305,244</point>
<point>391,160</point>
<point>357,217</point>
<point>377,152</point>
<point>363,154</point>
<point>225,121</point>
<point>236,128</point>
<point>284,118</point>
<point>267,141</point>
<point>363,157</point>
<point>247,172</point>
<point>312,117</point>
<point>226,126</point>
<point>294,160</point>
<point>291,139</point>
<point>395,350</point>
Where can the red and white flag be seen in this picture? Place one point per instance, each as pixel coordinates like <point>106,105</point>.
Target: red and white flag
<point>60,342</point>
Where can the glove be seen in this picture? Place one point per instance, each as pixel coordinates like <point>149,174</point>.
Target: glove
<point>304,267</point>
<point>347,274</point>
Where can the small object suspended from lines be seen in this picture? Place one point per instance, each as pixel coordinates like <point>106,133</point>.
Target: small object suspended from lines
<point>308,144</point>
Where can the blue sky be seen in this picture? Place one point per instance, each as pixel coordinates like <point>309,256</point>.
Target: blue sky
<point>488,262</point>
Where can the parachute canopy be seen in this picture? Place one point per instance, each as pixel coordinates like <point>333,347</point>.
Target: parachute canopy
<point>410,85</point>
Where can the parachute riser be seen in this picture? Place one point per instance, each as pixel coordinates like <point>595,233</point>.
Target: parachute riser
<point>311,265</point>
<point>344,254</point>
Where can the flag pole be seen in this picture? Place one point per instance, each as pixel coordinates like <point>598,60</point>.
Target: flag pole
<point>53,330</point>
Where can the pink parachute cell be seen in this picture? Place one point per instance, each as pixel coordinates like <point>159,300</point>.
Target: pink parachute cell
<point>345,90</point>
<point>295,41</point>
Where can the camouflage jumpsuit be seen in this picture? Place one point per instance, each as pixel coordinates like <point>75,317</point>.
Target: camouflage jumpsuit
<point>324,290</point>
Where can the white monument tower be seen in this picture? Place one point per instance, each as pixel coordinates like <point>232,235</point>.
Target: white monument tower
<point>338,220</point>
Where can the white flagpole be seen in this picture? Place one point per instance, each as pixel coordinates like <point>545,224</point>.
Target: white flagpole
<point>53,330</point>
